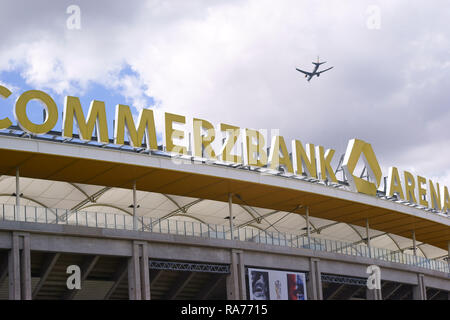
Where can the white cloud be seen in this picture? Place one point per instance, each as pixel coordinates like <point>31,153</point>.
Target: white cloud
<point>234,61</point>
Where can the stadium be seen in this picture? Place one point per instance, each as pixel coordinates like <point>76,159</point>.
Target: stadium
<point>150,221</point>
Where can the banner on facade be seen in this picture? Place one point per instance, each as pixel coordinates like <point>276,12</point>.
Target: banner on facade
<point>276,285</point>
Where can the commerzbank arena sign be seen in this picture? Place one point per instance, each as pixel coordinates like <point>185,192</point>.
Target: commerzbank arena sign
<point>207,142</point>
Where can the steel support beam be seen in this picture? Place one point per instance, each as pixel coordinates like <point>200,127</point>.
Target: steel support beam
<point>174,202</point>
<point>79,189</point>
<point>259,216</point>
<point>189,266</point>
<point>405,294</point>
<point>47,267</point>
<point>308,232</point>
<point>354,293</point>
<point>368,237</point>
<point>434,295</point>
<point>17,194</point>
<point>230,210</point>
<point>336,292</point>
<point>320,229</point>
<point>448,256</point>
<point>180,284</point>
<point>3,270</point>
<point>93,198</point>
<point>135,221</point>
<point>155,277</point>
<point>182,209</point>
<point>394,290</point>
<point>344,279</point>
<point>117,278</point>
<point>256,219</point>
<point>209,287</point>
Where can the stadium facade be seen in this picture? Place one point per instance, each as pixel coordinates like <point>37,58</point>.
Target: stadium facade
<point>174,221</point>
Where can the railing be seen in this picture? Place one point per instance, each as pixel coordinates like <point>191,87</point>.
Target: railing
<point>197,229</point>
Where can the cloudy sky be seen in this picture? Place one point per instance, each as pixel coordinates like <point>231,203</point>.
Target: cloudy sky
<point>234,61</point>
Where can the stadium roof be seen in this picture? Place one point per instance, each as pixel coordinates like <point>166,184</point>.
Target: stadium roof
<point>65,195</point>
<point>94,178</point>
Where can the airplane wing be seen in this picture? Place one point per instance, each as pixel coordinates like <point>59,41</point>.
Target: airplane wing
<point>307,73</point>
<point>324,70</point>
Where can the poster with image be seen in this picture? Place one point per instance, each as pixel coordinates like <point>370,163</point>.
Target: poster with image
<point>296,286</point>
<point>276,285</point>
<point>259,284</point>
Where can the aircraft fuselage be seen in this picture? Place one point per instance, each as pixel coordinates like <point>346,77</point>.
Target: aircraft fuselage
<point>310,75</point>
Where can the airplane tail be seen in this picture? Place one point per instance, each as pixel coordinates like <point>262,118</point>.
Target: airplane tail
<point>318,63</point>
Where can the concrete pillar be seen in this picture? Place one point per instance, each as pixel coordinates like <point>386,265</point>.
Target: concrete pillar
<point>236,286</point>
<point>314,283</point>
<point>414,243</point>
<point>14,269</point>
<point>420,290</point>
<point>25,269</point>
<point>138,272</point>
<point>145,273</point>
<point>19,267</point>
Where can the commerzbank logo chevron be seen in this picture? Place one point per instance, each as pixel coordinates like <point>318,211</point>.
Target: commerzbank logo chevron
<point>357,149</point>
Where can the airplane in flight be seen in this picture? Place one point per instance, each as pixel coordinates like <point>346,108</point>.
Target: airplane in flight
<point>310,75</point>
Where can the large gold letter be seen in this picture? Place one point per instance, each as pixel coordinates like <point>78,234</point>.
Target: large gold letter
<point>20,112</point>
<point>5,122</point>
<point>435,196</point>
<point>325,169</point>
<point>394,184</point>
<point>355,149</point>
<point>445,198</point>
<point>275,159</point>
<point>421,192</point>
<point>202,143</point>
<point>255,155</point>
<point>410,187</point>
<point>307,159</point>
<point>233,134</point>
<point>96,115</point>
<point>172,134</point>
<point>146,128</point>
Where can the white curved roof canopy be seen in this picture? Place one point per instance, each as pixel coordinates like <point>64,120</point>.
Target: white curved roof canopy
<point>64,195</point>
